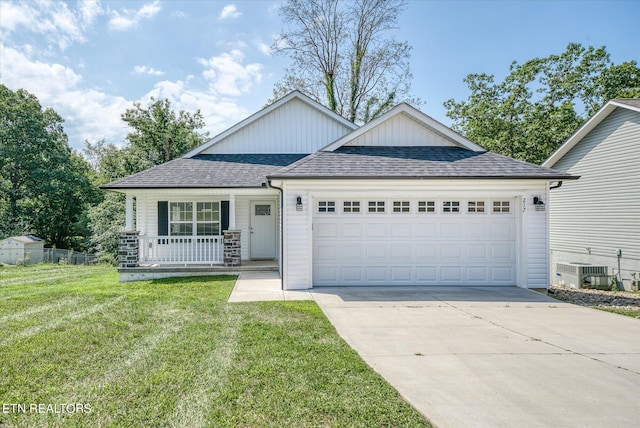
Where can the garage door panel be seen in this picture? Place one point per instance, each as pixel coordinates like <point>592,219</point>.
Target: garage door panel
<point>352,274</point>
<point>401,230</point>
<point>401,252</point>
<point>327,229</point>
<point>476,274</point>
<point>451,251</point>
<point>376,251</point>
<point>475,230</point>
<point>426,230</point>
<point>451,274</point>
<point>327,253</point>
<point>327,275</point>
<point>351,252</point>
<point>503,230</point>
<point>503,251</point>
<point>502,274</point>
<point>376,274</point>
<point>426,251</point>
<point>427,274</point>
<point>450,230</point>
<point>351,229</point>
<point>376,229</point>
<point>402,274</point>
<point>477,252</point>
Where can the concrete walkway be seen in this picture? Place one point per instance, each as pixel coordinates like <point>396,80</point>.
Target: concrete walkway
<point>494,357</point>
<point>262,287</point>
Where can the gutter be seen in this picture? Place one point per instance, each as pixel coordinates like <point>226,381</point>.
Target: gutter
<point>271,186</point>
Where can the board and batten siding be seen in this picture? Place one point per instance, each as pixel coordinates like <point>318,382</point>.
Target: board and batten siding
<point>400,130</point>
<point>295,127</point>
<point>601,210</point>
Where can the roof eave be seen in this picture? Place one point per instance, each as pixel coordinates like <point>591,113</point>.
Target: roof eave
<point>423,177</point>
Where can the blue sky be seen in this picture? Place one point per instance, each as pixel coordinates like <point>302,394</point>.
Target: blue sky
<point>91,60</point>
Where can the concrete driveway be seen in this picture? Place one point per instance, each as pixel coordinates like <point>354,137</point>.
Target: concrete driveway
<point>494,357</point>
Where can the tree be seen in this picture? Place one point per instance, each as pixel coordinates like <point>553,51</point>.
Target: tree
<point>342,58</point>
<point>537,106</point>
<point>45,187</point>
<point>159,134</point>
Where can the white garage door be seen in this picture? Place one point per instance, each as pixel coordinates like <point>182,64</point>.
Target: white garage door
<point>414,242</point>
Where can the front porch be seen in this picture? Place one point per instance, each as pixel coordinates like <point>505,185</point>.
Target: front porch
<point>147,271</point>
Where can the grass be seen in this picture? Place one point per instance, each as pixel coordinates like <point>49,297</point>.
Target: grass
<point>633,313</point>
<point>174,353</point>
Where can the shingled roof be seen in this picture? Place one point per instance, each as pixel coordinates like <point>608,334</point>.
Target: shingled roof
<point>208,171</point>
<point>413,162</point>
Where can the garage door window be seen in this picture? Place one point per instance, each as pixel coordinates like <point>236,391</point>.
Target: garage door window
<point>475,207</point>
<point>351,206</point>
<point>326,207</point>
<point>451,206</point>
<point>426,206</point>
<point>401,206</point>
<point>376,206</point>
<point>501,206</point>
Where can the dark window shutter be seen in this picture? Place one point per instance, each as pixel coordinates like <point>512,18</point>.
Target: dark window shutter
<point>163,218</point>
<point>224,211</point>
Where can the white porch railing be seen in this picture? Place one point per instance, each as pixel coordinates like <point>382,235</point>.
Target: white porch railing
<point>181,249</point>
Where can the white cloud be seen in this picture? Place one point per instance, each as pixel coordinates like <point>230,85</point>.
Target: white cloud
<point>264,48</point>
<point>227,76</point>
<point>143,69</point>
<point>89,11</point>
<point>219,113</point>
<point>55,20</point>
<point>230,11</point>
<point>88,113</point>
<point>128,19</point>
<point>92,114</point>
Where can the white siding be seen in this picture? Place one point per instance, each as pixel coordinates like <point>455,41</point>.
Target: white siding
<point>601,210</point>
<point>535,244</point>
<point>295,127</point>
<point>297,241</point>
<point>400,130</point>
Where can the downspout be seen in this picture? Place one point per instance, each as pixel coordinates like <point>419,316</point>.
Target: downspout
<point>270,186</point>
<point>555,186</point>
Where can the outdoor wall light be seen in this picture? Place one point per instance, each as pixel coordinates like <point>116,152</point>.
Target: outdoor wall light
<point>538,203</point>
<point>299,203</point>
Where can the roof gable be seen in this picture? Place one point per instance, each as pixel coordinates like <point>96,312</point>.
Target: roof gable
<point>404,126</point>
<point>632,104</point>
<point>292,124</point>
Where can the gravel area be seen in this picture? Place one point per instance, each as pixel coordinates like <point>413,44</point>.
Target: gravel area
<point>599,298</point>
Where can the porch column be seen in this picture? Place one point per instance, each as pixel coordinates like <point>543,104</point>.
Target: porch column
<point>232,212</point>
<point>128,226</point>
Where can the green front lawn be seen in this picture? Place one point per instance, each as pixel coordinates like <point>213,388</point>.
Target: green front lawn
<point>175,353</point>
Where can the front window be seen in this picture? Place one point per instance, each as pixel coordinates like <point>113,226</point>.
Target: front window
<point>183,222</point>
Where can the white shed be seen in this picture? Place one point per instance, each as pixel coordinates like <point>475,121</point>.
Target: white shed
<point>28,248</point>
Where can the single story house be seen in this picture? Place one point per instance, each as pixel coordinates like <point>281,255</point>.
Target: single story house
<point>27,249</point>
<point>402,200</point>
<point>596,219</point>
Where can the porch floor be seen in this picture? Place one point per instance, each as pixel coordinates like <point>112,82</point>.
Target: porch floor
<point>156,271</point>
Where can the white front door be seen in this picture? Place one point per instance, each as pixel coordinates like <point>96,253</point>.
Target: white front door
<point>263,230</point>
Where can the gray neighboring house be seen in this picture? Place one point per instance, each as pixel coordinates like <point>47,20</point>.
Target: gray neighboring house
<point>591,219</point>
<point>28,248</point>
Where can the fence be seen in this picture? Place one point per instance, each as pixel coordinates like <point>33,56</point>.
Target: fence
<point>47,255</point>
